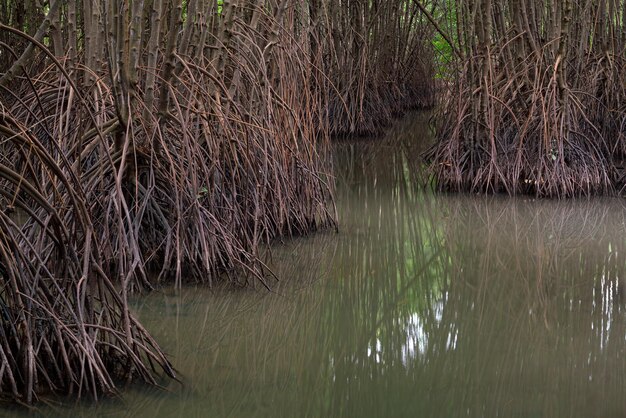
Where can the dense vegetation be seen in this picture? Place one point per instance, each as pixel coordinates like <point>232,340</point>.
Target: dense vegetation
<point>536,104</point>
<point>148,140</point>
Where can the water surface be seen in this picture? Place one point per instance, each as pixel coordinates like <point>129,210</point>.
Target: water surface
<point>423,305</point>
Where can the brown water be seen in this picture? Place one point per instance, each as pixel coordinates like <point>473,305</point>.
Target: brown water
<point>424,305</point>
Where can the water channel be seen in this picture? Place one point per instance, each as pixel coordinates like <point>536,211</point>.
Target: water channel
<point>424,305</point>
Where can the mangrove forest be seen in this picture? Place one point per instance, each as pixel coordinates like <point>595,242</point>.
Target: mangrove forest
<point>217,155</point>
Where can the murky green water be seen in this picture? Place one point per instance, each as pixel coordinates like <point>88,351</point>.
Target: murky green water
<point>422,306</point>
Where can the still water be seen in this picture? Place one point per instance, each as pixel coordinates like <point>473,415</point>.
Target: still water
<point>423,305</point>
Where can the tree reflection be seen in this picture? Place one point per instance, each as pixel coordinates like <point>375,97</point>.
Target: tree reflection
<point>423,305</point>
<point>487,305</point>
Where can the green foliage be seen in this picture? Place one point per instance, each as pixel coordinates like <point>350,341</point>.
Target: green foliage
<point>446,15</point>
<point>443,56</point>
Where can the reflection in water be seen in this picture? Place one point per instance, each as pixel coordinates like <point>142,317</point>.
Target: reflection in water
<point>423,305</point>
<point>535,291</point>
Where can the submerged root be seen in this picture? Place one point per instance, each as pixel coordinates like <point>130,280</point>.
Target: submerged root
<point>543,141</point>
<point>64,328</point>
<point>538,105</point>
<point>179,152</point>
<point>576,168</point>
